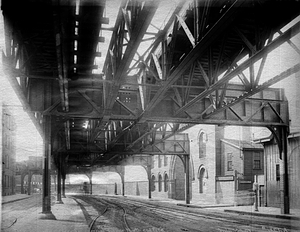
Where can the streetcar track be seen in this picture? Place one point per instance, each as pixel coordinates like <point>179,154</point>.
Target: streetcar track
<point>161,213</point>
<point>108,205</point>
<point>195,216</point>
<point>95,219</point>
<point>126,227</point>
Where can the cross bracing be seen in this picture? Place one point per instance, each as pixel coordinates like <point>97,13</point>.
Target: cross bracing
<point>185,76</point>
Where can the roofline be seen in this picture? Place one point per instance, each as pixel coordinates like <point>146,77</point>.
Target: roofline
<point>264,140</point>
<point>240,147</point>
<point>229,143</point>
<point>294,135</point>
<point>270,137</point>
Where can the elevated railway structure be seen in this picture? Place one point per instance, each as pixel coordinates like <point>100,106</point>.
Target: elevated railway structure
<point>140,101</point>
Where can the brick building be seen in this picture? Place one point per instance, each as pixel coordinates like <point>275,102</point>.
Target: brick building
<point>168,174</point>
<point>241,161</point>
<point>29,175</point>
<point>8,151</point>
<point>221,170</point>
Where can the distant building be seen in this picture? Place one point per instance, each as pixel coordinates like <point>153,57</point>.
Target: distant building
<point>221,170</point>
<point>274,171</point>
<point>274,164</point>
<point>168,174</point>
<point>29,175</point>
<point>241,161</point>
<point>205,153</point>
<point>8,151</point>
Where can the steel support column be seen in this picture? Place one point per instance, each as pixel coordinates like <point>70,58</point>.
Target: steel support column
<point>123,183</point>
<point>285,202</point>
<point>64,186</point>
<point>187,178</point>
<point>58,199</point>
<point>22,183</point>
<point>46,207</point>
<point>29,183</point>
<point>63,172</point>
<point>149,180</point>
<point>116,189</point>
<point>91,184</point>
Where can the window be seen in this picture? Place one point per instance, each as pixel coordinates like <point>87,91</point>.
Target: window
<point>9,142</point>
<point>159,183</point>
<point>201,176</point>
<point>229,162</point>
<point>152,162</point>
<point>159,161</point>
<point>257,162</point>
<point>5,141</point>
<point>6,181</point>
<point>6,161</point>
<point>229,165</point>
<point>153,183</point>
<point>202,145</point>
<point>277,172</point>
<point>165,160</point>
<point>166,183</point>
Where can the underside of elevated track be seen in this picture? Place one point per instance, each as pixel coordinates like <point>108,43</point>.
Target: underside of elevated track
<point>156,80</point>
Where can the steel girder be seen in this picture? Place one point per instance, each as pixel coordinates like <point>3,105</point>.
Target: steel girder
<point>178,83</point>
<point>187,88</point>
<point>120,56</point>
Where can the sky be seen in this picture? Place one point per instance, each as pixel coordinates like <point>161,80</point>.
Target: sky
<point>28,140</point>
<point>132,173</point>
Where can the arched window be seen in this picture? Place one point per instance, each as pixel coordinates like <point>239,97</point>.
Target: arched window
<point>152,183</point>
<point>202,145</point>
<point>159,183</point>
<point>166,182</point>
<point>202,175</point>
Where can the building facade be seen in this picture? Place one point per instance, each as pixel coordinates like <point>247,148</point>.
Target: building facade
<point>274,164</point>
<point>221,170</point>
<point>242,164</point>
<point>28,175</point>
<point>274,171</point>
<point>168,172</point>
<point>8,152</point>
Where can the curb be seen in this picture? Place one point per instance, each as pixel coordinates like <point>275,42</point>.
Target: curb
<point>10,201</point>
<point>204,206</point>
<point>263,214</point>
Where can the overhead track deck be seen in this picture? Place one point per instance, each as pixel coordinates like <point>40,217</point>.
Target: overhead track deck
<point>184,77</point>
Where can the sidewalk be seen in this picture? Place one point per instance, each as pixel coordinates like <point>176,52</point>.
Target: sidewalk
<point>229,208</point>
<point>250,210</point>
<point>12,198</point>
<point>69,217</point>
<point>264,212</point>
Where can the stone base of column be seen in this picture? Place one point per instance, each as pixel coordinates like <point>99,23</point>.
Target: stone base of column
<point>59,202</point>
<point>46,216</point>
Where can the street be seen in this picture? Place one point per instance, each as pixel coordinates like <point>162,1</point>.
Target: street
<point>19,212</point>
<point>118,213</point>
<point>142,215</point>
